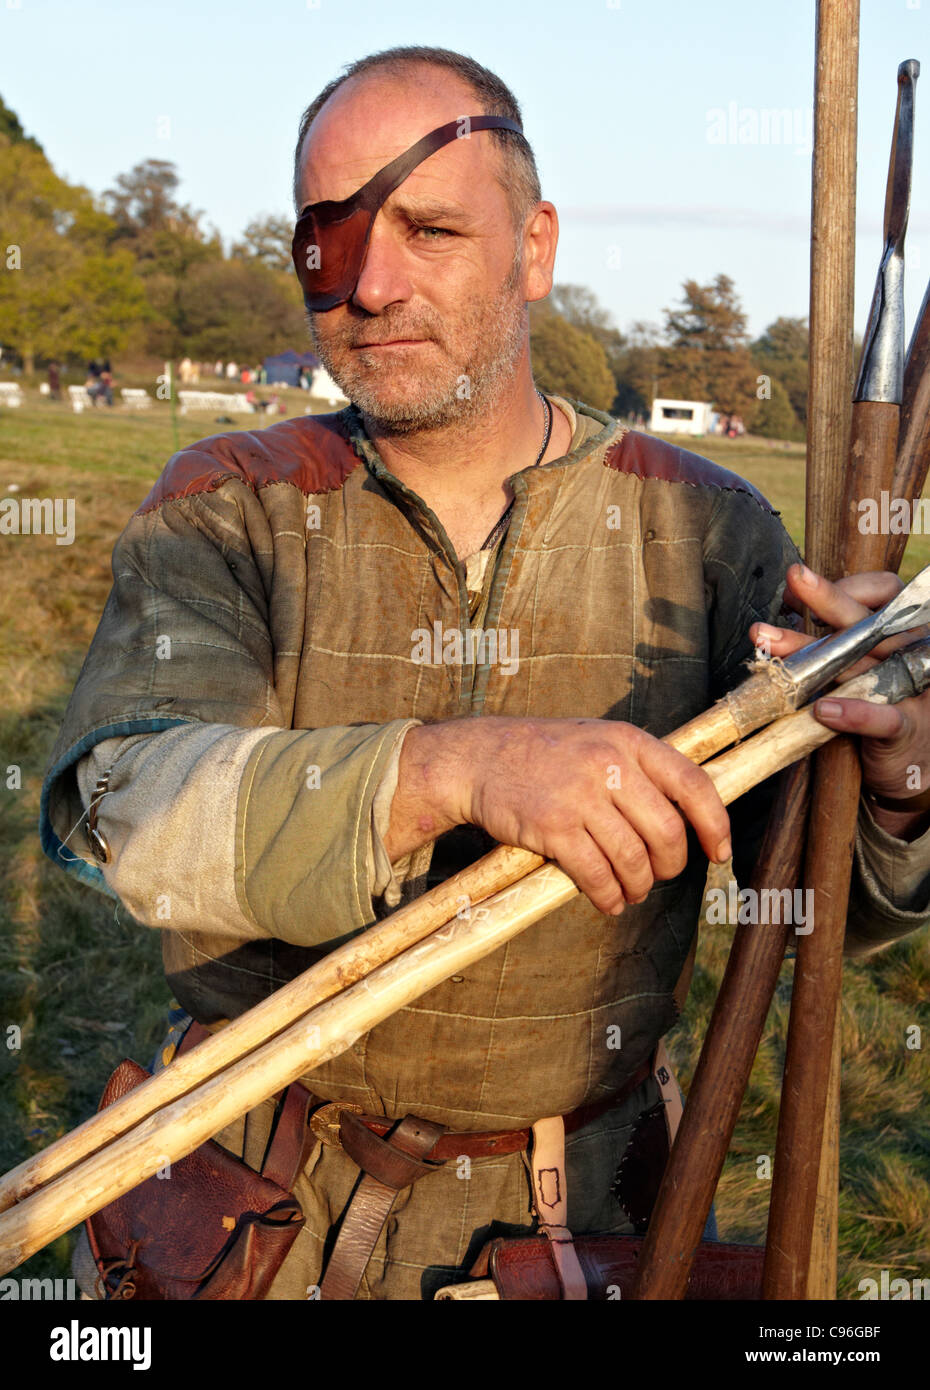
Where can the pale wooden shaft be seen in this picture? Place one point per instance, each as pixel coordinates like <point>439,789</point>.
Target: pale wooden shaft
<point>325,1032</point>
<point>338,969</point>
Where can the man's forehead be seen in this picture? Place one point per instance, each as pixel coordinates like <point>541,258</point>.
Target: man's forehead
<point>352,139</point>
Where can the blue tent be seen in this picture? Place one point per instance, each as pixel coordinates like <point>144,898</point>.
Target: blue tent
<point>285,368</point>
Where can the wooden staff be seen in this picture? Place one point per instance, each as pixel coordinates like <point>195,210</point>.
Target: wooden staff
<point>333,1026</point>
<point>833,249</point>
<point>336,971</point>
<point>806,1157</point>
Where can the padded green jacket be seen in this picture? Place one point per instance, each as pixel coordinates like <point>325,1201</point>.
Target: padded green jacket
<point>294,579</point>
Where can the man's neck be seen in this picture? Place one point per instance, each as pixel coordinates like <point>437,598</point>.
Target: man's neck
<point>461,472</point>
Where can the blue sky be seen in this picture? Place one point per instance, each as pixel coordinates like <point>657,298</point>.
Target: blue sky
<point>629,106</point>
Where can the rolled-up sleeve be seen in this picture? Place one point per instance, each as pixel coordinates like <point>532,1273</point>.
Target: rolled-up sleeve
<point>890,894</point>
<point>249,832</point>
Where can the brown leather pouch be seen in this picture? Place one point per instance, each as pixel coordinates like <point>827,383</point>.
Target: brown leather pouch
<point>211,1227</point>
<point>523,1268</point>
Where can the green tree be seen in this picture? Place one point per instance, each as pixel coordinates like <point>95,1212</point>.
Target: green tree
<point>167,242</point>
<point>775,417</point>
<point>242,309</point>
<point>569,361</point>
<point>581,308</point>
<point>268,240</point>
<point>11,130</point>
<point>782,353</point>
<point>707,355</point>
<point>638,369</point>
<point>143,203</point>
<point>62,293</point>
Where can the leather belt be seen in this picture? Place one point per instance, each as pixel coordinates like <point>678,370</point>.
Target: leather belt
<point>394,1154</point>
<point>473,1143</point>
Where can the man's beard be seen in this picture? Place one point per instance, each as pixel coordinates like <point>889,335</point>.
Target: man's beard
<point>472,375</point>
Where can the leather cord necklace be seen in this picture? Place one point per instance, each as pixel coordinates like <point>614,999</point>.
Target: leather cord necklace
<point>501,524</point>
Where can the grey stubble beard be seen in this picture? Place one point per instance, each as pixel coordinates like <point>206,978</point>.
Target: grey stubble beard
<point>458,400</point>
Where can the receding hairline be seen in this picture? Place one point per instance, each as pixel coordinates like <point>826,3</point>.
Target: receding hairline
<point>400,72</point>
<point>515,171</point>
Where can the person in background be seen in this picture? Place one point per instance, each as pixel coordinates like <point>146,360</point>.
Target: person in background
<point>92,384</point>
<point>106,382</point>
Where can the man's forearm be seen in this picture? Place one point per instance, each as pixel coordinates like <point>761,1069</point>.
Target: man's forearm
<point>422,809</point>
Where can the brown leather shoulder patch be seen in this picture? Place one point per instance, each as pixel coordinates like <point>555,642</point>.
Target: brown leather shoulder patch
<point>646,457</point>
<point>312,452</point>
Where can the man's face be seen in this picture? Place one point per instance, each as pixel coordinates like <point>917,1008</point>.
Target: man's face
<point>442,269</point>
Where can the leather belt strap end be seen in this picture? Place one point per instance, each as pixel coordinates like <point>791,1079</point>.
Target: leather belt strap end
<point>550,1193</point>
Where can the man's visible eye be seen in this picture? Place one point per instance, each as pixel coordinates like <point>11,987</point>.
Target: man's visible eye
<point>442,231</point>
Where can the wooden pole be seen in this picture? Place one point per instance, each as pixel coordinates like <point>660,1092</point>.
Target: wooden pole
<point>801,1248</point>
<point>833,249</point>
<point>730,1044</point>
<point>833,258</point>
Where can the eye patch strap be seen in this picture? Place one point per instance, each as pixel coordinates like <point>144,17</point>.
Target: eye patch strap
<point>372,194</point>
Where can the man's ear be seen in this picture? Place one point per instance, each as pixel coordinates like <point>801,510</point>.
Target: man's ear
<point>541,237</point>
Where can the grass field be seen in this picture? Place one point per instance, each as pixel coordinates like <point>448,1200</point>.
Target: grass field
<point>86,988</point>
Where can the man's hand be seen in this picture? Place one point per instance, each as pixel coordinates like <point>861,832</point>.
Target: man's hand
<point>895,738</point>
<point>605,800</point>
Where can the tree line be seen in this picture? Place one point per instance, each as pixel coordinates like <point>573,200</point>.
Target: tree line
<point>135,273</point>
<point>702,352</point>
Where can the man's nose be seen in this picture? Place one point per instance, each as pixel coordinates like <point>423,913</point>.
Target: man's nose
<point>384,279</point>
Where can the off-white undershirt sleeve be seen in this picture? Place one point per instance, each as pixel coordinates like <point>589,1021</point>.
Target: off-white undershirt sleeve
<point>169,818</point>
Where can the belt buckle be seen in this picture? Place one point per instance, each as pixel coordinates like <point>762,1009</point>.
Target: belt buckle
<point>325,1121</point>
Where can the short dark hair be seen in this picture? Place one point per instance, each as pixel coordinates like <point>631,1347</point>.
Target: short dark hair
<point>518,175</point>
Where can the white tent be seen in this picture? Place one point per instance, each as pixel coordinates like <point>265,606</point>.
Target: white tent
<point>323,388</point>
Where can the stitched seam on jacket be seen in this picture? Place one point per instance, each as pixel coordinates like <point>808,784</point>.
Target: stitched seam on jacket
<point>242,813</point>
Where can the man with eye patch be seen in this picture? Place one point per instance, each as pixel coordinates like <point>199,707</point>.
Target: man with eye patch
<point>334,729</point>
